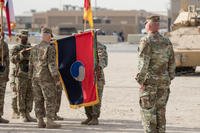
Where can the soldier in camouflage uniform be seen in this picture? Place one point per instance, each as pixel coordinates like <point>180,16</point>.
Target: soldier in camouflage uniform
<point>93,112</point>
<point>156,70</point>
<point>44,75</point>
<point>20,57</point>
<point>4,73</point>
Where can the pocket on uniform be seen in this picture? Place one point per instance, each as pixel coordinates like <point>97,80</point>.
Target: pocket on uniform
<point>145,102</point>
<point>147,98</point>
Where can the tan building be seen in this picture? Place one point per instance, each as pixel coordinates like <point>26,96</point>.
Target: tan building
<point>129,22</point>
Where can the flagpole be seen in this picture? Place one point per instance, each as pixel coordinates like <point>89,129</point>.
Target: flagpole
<point>2,36</point>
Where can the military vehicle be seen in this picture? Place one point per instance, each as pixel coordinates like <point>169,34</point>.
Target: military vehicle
<point>185,37</point>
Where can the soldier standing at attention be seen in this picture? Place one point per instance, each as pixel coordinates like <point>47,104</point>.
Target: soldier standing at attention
<point>93,112</point>
<point>156,70</point>
<point>20,57</point>
<point>4,73</point>
<point>13,86</point>
<point>44,75</point>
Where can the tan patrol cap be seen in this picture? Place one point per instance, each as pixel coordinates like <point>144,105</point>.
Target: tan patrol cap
<point>47,30</point>
<point>23,33</point>
<point>152,18</point>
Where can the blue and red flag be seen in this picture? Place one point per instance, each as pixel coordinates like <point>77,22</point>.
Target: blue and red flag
<point>75,59</point>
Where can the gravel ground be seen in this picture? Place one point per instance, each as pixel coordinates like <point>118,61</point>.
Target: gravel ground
<point>120,108</point>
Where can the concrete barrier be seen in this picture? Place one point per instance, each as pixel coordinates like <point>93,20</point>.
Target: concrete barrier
<point>107,39</point>
<point>134,38</point>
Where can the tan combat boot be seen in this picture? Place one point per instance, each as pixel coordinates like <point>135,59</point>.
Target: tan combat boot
<point>51,124</point>
<point>56,117</point>
<point>23,117</point>
<point>85,122</point>
<point>41,123</point>
<point>94,121</point>
<point>29,118</point>
<point>15,115</point>
<point>2,120</point>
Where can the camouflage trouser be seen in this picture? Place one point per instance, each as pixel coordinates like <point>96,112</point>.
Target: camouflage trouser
<point>58,99</point>
<point>24,95</point>
<point>14,98</point>
<point>153,102</point>
<point>94,111</point>
<point>44,93</point>
<point>14,102</point>
<point>2,95</point>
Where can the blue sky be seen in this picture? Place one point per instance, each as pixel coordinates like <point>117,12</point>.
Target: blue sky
<point>21,6</point>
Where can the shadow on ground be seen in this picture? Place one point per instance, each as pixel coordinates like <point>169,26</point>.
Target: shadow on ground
<point>195,74</point>
<point>73,125</point>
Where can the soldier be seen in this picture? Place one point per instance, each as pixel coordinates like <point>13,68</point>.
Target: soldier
<point>20,57</point>
<point>93,112</point>
<point>43,71</point>
<point>4,73</point>
<point>156,70</point>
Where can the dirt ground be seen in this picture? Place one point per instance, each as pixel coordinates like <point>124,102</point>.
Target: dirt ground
<point>120,108</point>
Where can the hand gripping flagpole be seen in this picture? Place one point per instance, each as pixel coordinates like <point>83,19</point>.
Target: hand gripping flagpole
<point>2,36</point>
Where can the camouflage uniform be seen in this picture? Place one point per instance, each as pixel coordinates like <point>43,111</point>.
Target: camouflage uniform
<point>58,103</point>
<point>94,111</point>
<point>156,70</point>
<point>4,73</point>
<point>43,71</point>
<point>20,57</point>
<point>13,87</point>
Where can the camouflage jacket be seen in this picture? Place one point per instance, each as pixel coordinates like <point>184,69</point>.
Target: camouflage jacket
<point>4,70</point>
<point>156,60</point>
<point>42,63</point>
<point>20,57</point>
<point>102,61</point>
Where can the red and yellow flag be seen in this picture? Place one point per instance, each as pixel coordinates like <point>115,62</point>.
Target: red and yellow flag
<point>88,13</point>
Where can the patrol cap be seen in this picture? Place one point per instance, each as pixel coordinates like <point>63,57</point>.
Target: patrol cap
<point>47,30</point>
<point>152,18</point>
<point>23,33</point>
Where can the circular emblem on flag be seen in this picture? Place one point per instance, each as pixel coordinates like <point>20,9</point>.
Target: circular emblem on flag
<point>77,71</point>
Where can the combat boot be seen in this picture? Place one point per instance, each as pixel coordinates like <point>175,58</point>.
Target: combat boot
<point>41,123</point>
<point>56,117</point>
<point>29,118</point>
<point>51,124</point>
<point>23,117</point>
<point>15,115</point>
<point>94,121</point>
<point>2,120</point>
<point>85,122</point>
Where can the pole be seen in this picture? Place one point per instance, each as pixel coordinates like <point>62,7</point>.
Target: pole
<point>2,36</point>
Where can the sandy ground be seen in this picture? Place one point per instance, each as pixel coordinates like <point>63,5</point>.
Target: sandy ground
<point>120,108</point>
